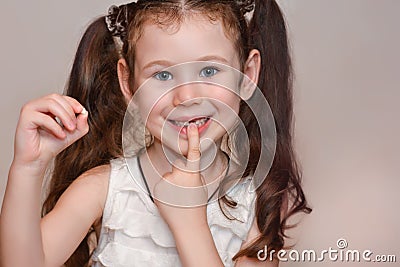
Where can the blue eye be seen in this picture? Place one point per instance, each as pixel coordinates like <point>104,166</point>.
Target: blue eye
<point>208,72</point>
<point>163,76</point>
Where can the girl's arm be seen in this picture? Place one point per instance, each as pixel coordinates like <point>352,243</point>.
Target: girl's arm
<point>77,210</point>
<point>188,225</point>
<point>28,240</point>
<point>25,239</point>
<point>196,246</point>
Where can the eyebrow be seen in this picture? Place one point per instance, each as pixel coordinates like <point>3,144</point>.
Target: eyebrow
<point>166,63</point>
<point>163,63</point>
<point>214,58</point>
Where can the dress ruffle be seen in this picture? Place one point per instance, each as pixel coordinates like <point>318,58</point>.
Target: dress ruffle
<point>116,255</point>
<point>133,233</point>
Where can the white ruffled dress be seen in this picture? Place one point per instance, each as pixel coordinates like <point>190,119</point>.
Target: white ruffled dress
<point>133,232</point>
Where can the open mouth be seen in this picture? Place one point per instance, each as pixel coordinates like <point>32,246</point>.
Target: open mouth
<point>198,121</point>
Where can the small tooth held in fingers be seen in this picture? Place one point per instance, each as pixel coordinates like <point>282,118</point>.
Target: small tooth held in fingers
<point>84,111</point>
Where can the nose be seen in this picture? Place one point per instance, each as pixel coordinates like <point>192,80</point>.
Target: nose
<point>188,94</point>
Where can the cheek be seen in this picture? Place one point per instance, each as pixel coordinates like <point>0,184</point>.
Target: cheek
<point>226,97</point>
<point>154,109</point>
<point>150,101</point>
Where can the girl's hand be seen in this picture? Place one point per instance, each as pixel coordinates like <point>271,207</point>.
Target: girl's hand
<point>181,196</point>
<point>39,137</point>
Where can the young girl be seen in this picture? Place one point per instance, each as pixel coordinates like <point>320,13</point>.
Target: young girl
<point>144,209</point>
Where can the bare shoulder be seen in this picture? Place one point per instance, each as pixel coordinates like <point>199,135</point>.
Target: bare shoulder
<point>95,183</point>
<point>88,192</point>
<point>97,176</point>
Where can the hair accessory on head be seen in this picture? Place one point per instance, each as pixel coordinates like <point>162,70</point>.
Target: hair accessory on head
<point>117,23</point>
<point>246,5</point>
<point>117,20</point>
<point>246,8</point>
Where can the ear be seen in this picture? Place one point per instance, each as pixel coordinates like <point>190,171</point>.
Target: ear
<point>123,78</point>
<point>252,71</point>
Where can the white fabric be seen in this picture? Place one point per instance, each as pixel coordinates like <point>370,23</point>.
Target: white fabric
<point>134,234</point>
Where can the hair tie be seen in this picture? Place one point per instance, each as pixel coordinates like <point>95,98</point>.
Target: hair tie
<point>116,20</point>
<point>246,8</point>
<point>245,5</point>
<point>117,23</point>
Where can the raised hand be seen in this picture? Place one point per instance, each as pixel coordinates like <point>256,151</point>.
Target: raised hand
<point>181,196</point>
<point>39,137</point>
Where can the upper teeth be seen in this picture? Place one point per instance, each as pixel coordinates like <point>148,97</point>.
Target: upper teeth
<point>198,122</point>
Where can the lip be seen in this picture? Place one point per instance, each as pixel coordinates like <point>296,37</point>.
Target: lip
<point>183,130</point>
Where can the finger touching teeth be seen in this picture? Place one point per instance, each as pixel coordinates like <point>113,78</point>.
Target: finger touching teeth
<point>198,122</point>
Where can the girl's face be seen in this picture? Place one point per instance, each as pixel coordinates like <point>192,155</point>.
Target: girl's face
<point>186,74</point>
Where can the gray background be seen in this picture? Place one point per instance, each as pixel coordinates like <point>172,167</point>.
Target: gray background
<point>346,106</point>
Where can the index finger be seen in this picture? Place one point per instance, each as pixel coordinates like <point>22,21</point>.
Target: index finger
<point>193,155</point>
<point>76,106</point>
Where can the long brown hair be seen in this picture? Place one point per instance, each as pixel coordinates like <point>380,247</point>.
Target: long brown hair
<point>94,83</point>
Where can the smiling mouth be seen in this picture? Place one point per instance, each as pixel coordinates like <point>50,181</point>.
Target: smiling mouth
<point>198,121</point>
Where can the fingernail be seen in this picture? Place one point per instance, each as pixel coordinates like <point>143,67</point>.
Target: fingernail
<point>192,126</point>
